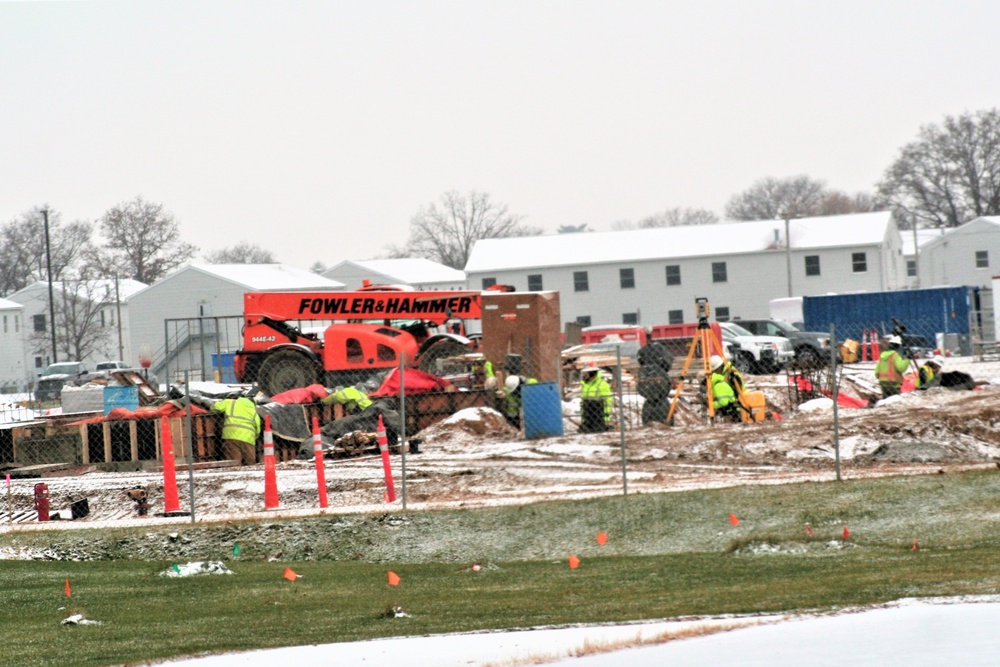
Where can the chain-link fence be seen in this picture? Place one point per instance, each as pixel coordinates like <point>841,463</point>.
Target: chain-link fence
<point>618,393</point>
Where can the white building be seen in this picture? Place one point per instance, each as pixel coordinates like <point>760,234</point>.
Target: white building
<point>417,272</point>
<point>15,370</point>
<point>964,255</point>
<point>910,243</point>
<point>652,276</point>
<point>196,312</point>
<point>94,310</point>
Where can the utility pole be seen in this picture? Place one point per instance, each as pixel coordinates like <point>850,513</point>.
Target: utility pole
<point>52,301</point>
<point>788,255</point>
<point>118,308</point>
<point>916,257</point>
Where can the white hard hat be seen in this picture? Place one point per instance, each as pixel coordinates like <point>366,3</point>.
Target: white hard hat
<point>938,361</point>
<point>715,361</point>
<point>895,340</point>
<point>512,382</point>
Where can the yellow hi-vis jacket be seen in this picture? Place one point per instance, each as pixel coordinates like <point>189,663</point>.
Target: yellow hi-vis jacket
<point>722,392</point>
<point>242,421</point>
<point>598,388</point>
<point>351,398</point>
<point>890,367</point>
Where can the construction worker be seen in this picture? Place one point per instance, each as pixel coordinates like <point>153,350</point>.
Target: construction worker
<point>928,376</point>
<point>596,401</point>
<point>351,398</point>
<point>512,398</point>
<point>490,377</point>
<point>890,368</point>
<point>240,428</point>
<point>730,372</point>
<point>723,396</point>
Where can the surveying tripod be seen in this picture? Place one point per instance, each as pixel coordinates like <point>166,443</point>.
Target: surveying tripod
<point>703,339</point>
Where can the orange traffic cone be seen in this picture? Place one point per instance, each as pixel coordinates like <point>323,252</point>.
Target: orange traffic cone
<point>270,476</point>
<point>864,345</point>
<point>171,502</point>
<point>320,471</point>
<point>876,352</point>
<point>383,447</point>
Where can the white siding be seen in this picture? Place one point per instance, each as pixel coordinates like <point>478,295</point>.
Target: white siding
<point>15,373</point>
<point>951,259</point>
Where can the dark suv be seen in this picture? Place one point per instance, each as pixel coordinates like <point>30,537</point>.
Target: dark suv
<point>50,385</point>
<point>811,347</point>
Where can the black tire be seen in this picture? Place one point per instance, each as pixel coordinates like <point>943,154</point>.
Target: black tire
<point>286,369</point>
<point>440,350</point>
<point>745,363</point>
<point>808,357</point>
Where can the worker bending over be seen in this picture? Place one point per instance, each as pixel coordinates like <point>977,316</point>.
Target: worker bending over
<point>240,428</point>
<point>929,373</point>
<point>353,400</point>
<point>512,399</point>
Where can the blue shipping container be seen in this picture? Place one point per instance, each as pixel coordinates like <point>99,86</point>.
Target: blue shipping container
<point>924,312</point>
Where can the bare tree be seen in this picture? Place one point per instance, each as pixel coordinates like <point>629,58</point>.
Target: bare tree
<point>142,242</point>
<point>835,202</point>
<point>678,217</point>
<point>242,253</point>
<point>772,198</point>
<point>622,225</point>
<point>447,233</point>
<point>318,267</point>
<point>950,174</point>
<point>84,319</point>
<point>22,248</point>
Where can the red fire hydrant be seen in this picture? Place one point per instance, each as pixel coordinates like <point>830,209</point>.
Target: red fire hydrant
<point>42,501</point>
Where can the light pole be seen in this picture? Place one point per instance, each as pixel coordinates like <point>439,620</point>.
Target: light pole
<point>52,301</point>
<point>788,254</point>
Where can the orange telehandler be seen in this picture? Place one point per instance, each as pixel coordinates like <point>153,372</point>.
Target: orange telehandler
<point>354,335</point>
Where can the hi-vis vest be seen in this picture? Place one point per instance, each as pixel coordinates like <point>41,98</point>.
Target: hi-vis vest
<point>885,369</point>
<point>598,388</point>
<point>242,421</point>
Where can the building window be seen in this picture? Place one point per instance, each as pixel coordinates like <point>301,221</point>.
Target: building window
<point>911,268</point>
<point>38,322</point>
<point>719,272</point>
<point>859,262</point>
<point>630,318</point>
<point>489,282</point>
<point>534,282</point>
<point>5,324</point>
<point>580,281</point>
<point>103,323</point>
<point>675,316</point>
<point>982,259</point>
<point>17,323</point>
<point>812,265</point>
<point>583,320</point>
<point>722,313</point>
<point>627,278</point>
<point>38,362</point>
<point>674,274</point>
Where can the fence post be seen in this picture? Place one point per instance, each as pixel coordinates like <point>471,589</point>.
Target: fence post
<point>190,431</point>
<point>621,420</point>
<point>402,426</point>
<point>833,376</point>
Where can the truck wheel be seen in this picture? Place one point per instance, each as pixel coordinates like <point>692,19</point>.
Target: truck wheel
<point>286,370</point>
<point>440,350</point>
<point>808,358</point>
<point>745,363</point>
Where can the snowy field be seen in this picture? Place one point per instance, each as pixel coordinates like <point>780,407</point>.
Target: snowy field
<point>909,633</point>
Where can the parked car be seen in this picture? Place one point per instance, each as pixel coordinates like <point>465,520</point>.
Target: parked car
<point>757,354</point>
<point>811,347</point>
<point>110,366</point>
<point>52,380</point>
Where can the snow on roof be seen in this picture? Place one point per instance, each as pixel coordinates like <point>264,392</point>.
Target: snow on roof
<point>412,270</point>
<point>269,277</point>
<point>7,304</point>
<point>924,236</point>
<point>965,228</point>
<point>727,238</point>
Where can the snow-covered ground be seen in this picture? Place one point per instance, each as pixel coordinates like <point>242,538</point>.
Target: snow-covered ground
<point>910,633</point>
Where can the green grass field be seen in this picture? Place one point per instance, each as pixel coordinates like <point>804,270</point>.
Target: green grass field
<point>668,555</point>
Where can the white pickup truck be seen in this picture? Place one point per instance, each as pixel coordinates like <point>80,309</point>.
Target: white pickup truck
<point>757,354</point>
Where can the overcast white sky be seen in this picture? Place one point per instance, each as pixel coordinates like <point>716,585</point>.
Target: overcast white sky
<point>317,129</point>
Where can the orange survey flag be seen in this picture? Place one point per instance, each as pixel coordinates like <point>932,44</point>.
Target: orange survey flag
<point>393,578</point>
<point>602,538</point>
<point>290,574</point>
<point>574,562</point>
<point>67,588</point>
<point>733,520</point>
<point>847,533</point>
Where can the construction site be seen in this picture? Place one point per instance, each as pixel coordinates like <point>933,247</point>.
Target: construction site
<point>441,385</point>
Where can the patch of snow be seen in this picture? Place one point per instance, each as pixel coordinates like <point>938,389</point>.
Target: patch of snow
<point>196,568</point>
<point>817,405</point>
